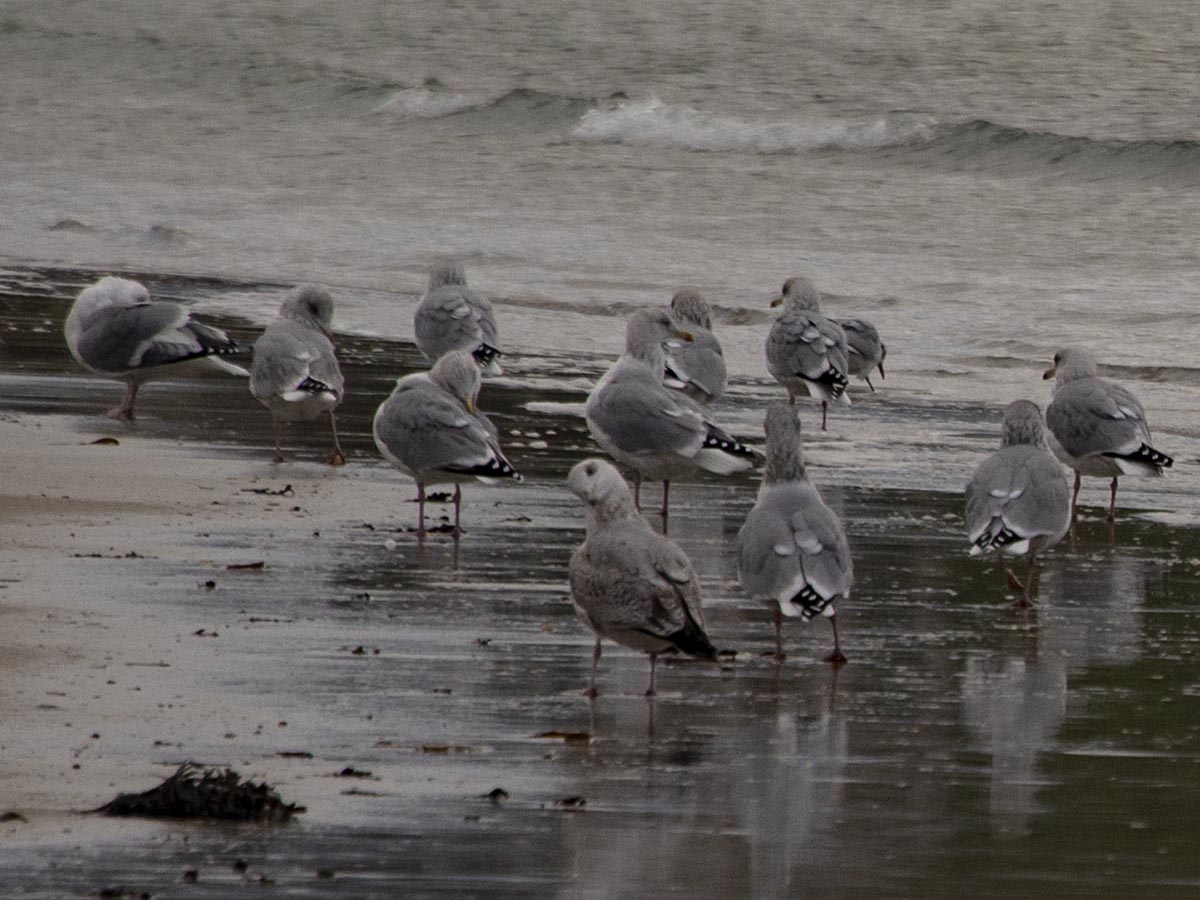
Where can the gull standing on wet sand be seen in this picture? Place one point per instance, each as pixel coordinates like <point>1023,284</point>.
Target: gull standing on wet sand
<point>1097,427</point>
<point>114,329</point>
<point>430,429</point>
<point>1017,499</point>
<point>295,373</point>
<point>805,350</point>
<point>657,432</point>
<point>865,352</point>
<point>792,548</point>
<point>451,316</point>
<point>696,367</point>
<point>629,583</point>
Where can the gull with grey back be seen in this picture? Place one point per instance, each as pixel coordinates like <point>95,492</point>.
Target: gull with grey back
<point>629,583</point>
<point>806,352</point>
<point>696,367</point>
<point>792,549</point>
<point>1018,502</point>
<point>295,372</point>
<point>1097,427</point>
<point>865,350</point>
<point>451,316</point>
<point>430,429</point>
<point>659,433</point>
<point>115,330</point>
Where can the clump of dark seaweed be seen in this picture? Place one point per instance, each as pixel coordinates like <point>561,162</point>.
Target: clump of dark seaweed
<point>194,792</point>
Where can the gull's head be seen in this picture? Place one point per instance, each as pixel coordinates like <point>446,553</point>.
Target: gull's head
<point>690,308</point>
<point>1022,424</point>
<point>458,374</point>
<point>310,305</point>
<point>111,291</point>
<point>447,271</point>
<point>1071,363</point>
<point>598,484</point>
<point>798,293</point>
<point>648,330</point>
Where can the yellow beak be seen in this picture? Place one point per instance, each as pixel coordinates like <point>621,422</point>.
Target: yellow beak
<point>778,301</point>
<point>683,335</point>
<point>1049,373</point>
<point>470,406</point>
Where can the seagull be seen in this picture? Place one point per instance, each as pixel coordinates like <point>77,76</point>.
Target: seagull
<point>115,330</point>
<point>865,351</point>
<point>429,429</point>
<point>451,316</point>
<point>792,549</point>
<point>295,373</point>
<point>659,433</point>
<point>1097,427</point>
<point>1017,499</point>
<point>696,367</point>
<point>629,583</point>
<point>806,351</point>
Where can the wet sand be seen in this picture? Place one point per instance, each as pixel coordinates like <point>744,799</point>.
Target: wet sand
<point>964,749</point>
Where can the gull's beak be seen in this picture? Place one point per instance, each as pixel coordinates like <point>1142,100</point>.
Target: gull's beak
<point>778,301</point>
<point>470,406</point>
<point>683,335</point>
<point>1049,373</point>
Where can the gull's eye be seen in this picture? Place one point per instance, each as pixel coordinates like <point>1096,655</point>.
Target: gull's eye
<point>590,468</point>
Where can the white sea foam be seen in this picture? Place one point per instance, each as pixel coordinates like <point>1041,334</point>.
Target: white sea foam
<point>423,103</point>
<point>655,123</point>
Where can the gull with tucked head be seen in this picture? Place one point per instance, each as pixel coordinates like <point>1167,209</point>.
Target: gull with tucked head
<point>115,330</point>
<point>806,352</point>
<point>451,316</point>
<point>629,583</point>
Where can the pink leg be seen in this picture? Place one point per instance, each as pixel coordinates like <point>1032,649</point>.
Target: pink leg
<point>650,692</point>
<point>836,657</point>
<point>457,501</point>
<point>336,457</point>
<point>1075,497</point>
<point>277,428</point>
<point>124,412</point>
<point>1112,503</point>
<point>591,688</point>
<point>666,498</point>
<point>1026,600</point>
<point>824,413</point>
<point>420,509</point>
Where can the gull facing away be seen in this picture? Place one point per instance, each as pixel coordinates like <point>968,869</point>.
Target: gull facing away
<point>295,373</point>
<point>792,549</point>
<point>864,349</point>
<point>805,350</point>
<point>430,429</point>
<point>659,433</point>
<point>115,330</point>
<point>451,316</point>
<point>629,583</point>
<point>1017,499</point>
<point>1097,427</point>
<point>696,367</point>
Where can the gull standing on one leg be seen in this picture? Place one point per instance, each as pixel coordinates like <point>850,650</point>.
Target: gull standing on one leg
<point>792,549</point>
<point>1097,427</point>
<point>295,373</point>
<point>629,583</point>
<point>115,330</point>
<point>805,350</point>
<point>865,351</point>
<point>1017,499</point>
<point>430,429</point>
<point>659,433</point>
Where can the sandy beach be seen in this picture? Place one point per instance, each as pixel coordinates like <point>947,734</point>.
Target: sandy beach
<point>130,641</point>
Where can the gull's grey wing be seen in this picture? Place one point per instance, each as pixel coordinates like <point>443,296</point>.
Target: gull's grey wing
<point>453,317</point>
<point>806,345</point>
<point>1090,416</point>
<point>699,365</point>
<point>425,430</point>
<point>644,418</point>
<point>792,540</point>
<point>287,355</point>
<point>626,578</point>
<point>1021,488</point>
<point>864,348</point>
<point>119,339</point>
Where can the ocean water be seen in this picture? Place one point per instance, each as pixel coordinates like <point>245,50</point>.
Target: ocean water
<point>985,184</point>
